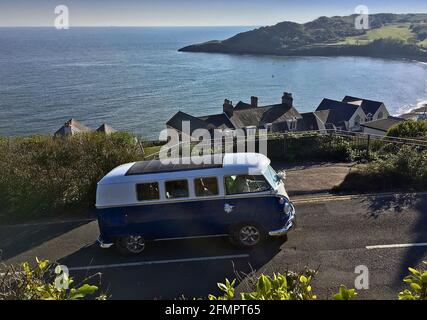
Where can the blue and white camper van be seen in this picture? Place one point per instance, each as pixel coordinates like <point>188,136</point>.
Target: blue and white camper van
<point>242,198</point>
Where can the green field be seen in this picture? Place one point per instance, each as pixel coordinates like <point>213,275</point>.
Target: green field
<point>400,32</point>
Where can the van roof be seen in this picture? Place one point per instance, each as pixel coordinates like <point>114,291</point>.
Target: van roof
<point>229,163</point>
<point>182,164</point>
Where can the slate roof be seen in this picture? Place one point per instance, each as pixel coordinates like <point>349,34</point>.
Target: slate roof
<point>195,123</point>
<point>219,121</point>
<point>308,122</point>
<point>72,127</point>
<point>382,124</point>
<point>368,106</point>
<point>259,116</point>
<point>338,111</point>
<point>106,128</point>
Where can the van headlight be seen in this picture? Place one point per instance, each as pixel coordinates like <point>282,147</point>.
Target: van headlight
<point>287,208</point>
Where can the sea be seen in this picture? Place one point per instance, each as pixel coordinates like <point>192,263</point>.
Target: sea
<point>135,79</point>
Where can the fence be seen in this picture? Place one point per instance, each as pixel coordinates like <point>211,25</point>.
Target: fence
<point>310,145</point>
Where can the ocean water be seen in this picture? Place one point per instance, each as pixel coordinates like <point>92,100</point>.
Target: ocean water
<point>135,79</point>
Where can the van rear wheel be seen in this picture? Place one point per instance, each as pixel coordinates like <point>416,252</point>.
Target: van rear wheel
<point>131,245</point>
<point>246,235</point>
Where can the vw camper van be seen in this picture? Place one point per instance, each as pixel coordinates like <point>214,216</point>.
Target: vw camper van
<point>240,197</point>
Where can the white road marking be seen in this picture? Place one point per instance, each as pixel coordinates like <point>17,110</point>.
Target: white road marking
<point>401,245</point>
<point>144,263</point>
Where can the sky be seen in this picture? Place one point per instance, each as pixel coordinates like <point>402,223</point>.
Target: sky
<point>190,12</point>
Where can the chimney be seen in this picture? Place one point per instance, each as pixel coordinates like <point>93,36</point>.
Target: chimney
<point>227,107</point>
<point>254,102</point>
<point>287,99</point>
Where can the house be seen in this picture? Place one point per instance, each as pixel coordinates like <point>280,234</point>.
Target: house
<point>350,113</point>
<point>106,128</point>
<point>311,121</point>
<point>72,127</point>
<point>381,126</point>
<point>275,118</point>
<point>374,110</point>
<point>340,115</point>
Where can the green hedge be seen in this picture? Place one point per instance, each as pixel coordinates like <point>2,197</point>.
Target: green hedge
<point>41,175</point>
<point>405,169</point>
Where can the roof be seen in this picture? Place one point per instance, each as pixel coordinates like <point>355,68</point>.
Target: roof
<point>219,121</point>
<point>106,128</point>
<point>258,116</point>
<point>230,163</point>
<point>368,106</point>
<point>158,166</point>
<point>242,105</point>
<point>308,122</point>
<point>176,122</point>
<point>383,124</point>
<point>338,111</point>
<point>72,127</point>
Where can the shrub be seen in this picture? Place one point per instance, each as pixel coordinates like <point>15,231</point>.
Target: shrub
<point>290,286</point>
<point>417,282</point>
<point>42,174</point>
<point>406,169</point>
<point>36,283</point>
<point>409,129</point>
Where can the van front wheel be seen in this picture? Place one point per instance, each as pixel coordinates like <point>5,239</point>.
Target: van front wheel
<point>247,235</point>
<point>131,245</point>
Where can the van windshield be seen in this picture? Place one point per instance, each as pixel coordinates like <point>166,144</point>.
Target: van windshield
<point>272,177</point>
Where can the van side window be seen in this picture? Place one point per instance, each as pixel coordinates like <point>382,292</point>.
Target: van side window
<point>245,184</point>
<point>176,189</point>
<point>147,191</point>
<point>206,187</point>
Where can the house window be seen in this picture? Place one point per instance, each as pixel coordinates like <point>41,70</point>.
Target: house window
<point>268,127</point>
<point>369,117</point>
<point>292,124</point>
<point>357,121</point>
<point>206,187</point>
<point>380,115</point>
<point>176,189</point>
<point>147,191</point>
<point>245,184</point>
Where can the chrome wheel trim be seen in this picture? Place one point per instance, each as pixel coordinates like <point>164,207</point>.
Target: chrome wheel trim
<point>135,244</point>
<point>249,235</point>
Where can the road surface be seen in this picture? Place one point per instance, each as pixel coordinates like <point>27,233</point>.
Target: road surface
<point>385,234</point>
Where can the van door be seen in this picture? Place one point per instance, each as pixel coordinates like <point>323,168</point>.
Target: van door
<point>248,198</point>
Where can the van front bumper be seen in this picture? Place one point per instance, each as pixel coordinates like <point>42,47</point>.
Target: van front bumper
<point>288,226</point>
<point>104,244</point>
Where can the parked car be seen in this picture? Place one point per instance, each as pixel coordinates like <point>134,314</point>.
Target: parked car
<point>242,197</point>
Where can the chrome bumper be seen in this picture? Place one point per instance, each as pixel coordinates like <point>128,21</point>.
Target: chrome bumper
<point>288,226</point>
<point>103,244</point>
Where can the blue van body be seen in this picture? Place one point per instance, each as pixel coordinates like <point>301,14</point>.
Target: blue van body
<point>120,214</point>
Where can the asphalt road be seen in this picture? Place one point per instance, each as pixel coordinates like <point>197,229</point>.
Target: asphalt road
<point>385,234</point>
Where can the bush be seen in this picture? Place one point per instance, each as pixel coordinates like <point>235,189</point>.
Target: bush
<point>406,169</point>
<point>38,283</point>
<point>42,174</point>
<point>409,129</point>
<point>417,282</point>
<point>289,286</point>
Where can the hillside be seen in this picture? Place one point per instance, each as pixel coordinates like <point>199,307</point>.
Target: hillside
<point>390,35</point>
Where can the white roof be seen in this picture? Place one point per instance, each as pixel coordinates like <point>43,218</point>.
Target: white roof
<point>232,163</point>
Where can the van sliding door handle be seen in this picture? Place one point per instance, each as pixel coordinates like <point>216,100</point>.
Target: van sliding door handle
<point>228,208</point>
